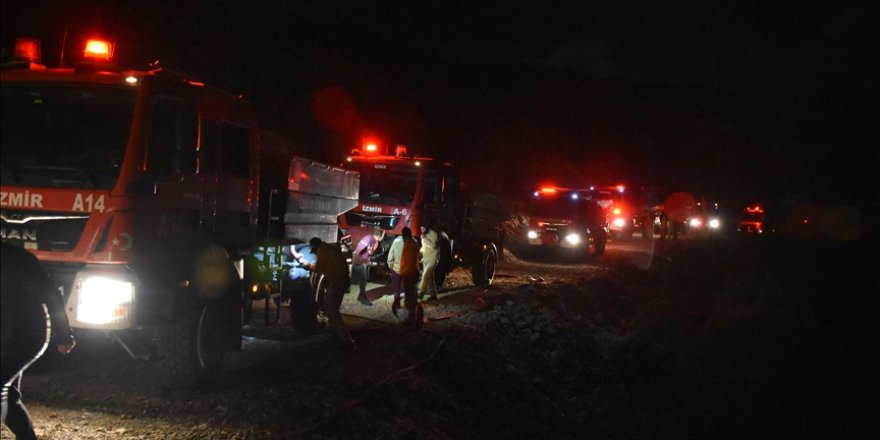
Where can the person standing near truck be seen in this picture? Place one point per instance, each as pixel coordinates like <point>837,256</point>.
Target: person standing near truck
<point>430,257</point>
<point>409,274</point>
<point>32,312</point>
<point>360,262</point>
<point>332,265</point>
<point>394,253</point>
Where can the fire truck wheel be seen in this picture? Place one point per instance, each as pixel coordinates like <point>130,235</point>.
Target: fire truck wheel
<point>192,348</point>
<point>599,244</point>
<point>444,266</point>
<point>647,233</point>
<point>483,270</point>
<point>247,305</point>
<point>304,311</point>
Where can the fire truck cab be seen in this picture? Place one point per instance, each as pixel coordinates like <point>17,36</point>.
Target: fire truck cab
<point>137,190</point>
<point>398,191</point>
<point>625,212</point>
<point>566,218</point>
<point>751,221</point>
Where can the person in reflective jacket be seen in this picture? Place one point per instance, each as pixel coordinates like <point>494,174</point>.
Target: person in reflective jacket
<point>409,274</point>
<point>32,313</point>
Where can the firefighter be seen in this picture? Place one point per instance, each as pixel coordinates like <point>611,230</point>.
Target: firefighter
<point>32,312</point>
<point>360,262</point>
<point>430,256</point>
<point>409,274</point>
<point>394,253</point>
<point>332,265</point>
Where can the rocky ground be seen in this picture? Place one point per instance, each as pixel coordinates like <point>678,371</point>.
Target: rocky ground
<point>692,339</point>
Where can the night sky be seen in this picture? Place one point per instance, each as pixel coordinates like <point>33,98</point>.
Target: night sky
<point>736,100</point>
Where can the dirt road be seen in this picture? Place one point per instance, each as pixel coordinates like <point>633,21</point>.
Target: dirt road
<point>652,340</point>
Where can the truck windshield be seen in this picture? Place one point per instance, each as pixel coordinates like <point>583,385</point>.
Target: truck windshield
<point>559,207</point>
<point>68,136</point>
<point>388,186</point>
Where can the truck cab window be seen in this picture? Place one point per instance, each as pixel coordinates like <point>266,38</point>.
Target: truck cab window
<point>235,146</point>
<point>173,141</point>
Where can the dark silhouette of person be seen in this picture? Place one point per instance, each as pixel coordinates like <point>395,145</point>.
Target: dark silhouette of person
<point>332,265</point>
<point>32,314</point>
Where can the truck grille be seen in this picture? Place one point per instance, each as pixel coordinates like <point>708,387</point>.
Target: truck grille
<point>45,231</point>
<point>371,220</point>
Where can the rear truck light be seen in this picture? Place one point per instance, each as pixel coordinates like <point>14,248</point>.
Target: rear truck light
<point>28,50</point>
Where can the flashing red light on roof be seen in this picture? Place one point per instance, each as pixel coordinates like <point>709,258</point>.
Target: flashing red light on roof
<point>548,190</point>
<point>371,148</point>
<point>27,49</point>
<point>616,211</point>
<point>755,209</point>
<point>98,50</point>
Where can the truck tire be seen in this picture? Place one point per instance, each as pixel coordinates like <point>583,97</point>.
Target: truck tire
<point>483,269</point>
<point>444,264</point>
<point>599,242</point>
<point>192,347</point>
<point>247,305</point>
<point>304,310</point>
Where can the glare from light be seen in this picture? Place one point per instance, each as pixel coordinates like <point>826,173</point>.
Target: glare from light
<point>714,223</point>
<point>618,222</point>
<point>131,80</point>
<point>104,300</point>
<point>98,50</point>
<point>573,238</point>
<point>574,196</point>
<point>695,223</point>
<point>532,234</point>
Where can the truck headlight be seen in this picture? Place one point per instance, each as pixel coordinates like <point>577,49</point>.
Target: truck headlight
<point>573,238</point>
<point>532,234</point>
<point>619,222</point>
<point>714,223</point>
<point>695,222</point>
<point>101,300</point>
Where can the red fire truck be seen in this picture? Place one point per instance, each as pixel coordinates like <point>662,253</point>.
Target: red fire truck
<point>400,190</point>
<point>566,218</point>
<point>751,220</point>
<point>625,211</point>
<point>138,190</point>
